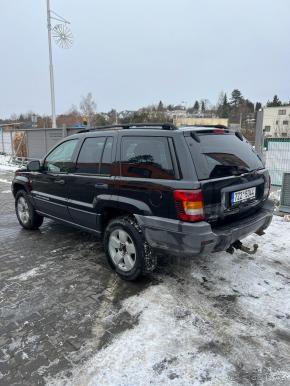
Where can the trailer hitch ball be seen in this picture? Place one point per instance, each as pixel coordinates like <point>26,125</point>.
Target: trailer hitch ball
<point>239,245</point>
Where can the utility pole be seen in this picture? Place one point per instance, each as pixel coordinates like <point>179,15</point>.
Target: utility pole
<point>52,95</point>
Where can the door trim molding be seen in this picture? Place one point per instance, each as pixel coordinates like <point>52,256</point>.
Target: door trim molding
<point>46,197</point>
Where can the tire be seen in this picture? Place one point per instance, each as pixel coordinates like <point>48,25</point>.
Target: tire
<point>126,249</point>
<point>25,212</point>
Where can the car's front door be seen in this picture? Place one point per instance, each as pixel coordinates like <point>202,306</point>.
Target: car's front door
<point>49,186</point>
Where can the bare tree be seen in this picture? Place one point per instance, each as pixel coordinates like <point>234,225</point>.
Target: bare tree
<point>88,107</point>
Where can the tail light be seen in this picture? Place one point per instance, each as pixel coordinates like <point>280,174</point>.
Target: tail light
<point>189,205</point>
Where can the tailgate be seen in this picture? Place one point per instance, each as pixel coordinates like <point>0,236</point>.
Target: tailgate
<point>219,195</point>
<point>232,176</point>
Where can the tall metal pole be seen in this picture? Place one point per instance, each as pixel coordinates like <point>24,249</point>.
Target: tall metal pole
<point>52,96</point>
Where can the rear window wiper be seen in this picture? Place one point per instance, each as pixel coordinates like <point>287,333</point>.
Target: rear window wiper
<point>243,169</point>
<point>194,136</point>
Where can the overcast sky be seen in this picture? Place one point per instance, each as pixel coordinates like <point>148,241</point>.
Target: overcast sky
<point>131,53</point>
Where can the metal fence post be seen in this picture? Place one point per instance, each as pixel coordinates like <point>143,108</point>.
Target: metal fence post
<point>45,139</point>
<point>259,135</point>
<point>2,137</point>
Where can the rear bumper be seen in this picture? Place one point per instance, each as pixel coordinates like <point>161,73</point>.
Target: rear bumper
<point>190,239</point>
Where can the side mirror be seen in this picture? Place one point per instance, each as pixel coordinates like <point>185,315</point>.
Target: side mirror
<point>33,166</point>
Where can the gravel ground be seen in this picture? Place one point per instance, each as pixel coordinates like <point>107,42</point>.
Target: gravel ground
<point>66,319</point>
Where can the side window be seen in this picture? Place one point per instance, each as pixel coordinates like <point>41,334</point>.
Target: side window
<point>106,163</point>
<point>90,155</point>
<point>60,159</point>
<point>146,157</point>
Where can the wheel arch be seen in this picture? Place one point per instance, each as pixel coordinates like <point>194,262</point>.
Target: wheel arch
<point>18,186</point>
<point>123,206</point>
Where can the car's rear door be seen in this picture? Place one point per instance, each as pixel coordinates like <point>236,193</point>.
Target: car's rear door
<point>50,185</point>
<point>231,175</point>
<point>91,181</point>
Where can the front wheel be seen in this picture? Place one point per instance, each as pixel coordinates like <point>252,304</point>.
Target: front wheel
<point>25,212</point>
<point>127,251</point>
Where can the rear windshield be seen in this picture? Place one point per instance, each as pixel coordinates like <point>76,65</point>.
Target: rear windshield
<point>222,155</point>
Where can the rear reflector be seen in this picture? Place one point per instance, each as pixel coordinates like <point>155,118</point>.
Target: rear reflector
<point>189,205</point>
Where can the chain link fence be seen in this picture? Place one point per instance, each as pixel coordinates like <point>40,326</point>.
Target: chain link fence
<point>277,158</point>
<point>275,151</point>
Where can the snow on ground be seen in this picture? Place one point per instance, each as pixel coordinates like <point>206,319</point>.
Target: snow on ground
<point>27,275</point>
<point>5,181</point>
<point>7,164</point>
<point>217,320</point>
<point>275,195</point>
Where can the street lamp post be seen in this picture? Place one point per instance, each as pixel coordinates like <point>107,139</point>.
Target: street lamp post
<point>63,38</point>
<point>52,95</point>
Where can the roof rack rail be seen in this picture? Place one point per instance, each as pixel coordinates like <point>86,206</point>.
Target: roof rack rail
<point>162,126</point>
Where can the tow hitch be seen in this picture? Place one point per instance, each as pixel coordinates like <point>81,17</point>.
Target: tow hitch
<point>239,245</point>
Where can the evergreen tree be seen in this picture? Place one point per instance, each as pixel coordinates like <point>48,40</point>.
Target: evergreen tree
<point>224,109</point>
<point>203,107</point>
<point>236,98</point>
<point>258,106</point>
<point>275,102</point>
<point>196,107</point>
<point>160,106</point>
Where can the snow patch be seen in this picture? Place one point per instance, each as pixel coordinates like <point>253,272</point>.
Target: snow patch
<point>212,322</point>
<point>7,164</point>
<point>27,275</point>
<point>5,181</point>
<point>275,195</point>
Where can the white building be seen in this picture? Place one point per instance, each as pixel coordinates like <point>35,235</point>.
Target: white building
<point>276,121</point>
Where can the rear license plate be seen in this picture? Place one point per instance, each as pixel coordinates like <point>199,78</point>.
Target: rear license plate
<point>243,195</point>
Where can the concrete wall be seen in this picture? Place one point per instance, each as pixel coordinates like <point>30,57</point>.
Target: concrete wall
<point>201,121</point>
<point>40,141</point>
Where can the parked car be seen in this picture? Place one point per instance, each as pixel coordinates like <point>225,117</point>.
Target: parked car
<point>146,189</point>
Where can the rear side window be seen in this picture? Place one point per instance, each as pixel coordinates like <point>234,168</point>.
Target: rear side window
<point>222,155</point>
<point>90,155</point>
<point>146,157</point>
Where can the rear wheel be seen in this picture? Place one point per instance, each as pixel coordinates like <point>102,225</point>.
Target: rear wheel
<point>127,251</point>
<point>25,212</point>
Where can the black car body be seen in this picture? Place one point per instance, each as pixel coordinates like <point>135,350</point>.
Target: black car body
<point>189,191</point>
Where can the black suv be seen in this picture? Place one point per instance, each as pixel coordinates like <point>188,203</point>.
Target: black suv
<point>149,189</point>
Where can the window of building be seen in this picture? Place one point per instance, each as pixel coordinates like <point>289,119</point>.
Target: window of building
<point>282,112</point>
<point>106,163</point>
<point>60,159</point>
<point>146,157</point>
<point>285,122</point>
<point>90,155</point>
<point>267,128</point>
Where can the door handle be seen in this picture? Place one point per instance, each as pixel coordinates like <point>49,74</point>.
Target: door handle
<point>101,185</point>
<point>61,182</point>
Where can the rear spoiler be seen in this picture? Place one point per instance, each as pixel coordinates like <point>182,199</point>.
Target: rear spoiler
<point>220,129</point>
